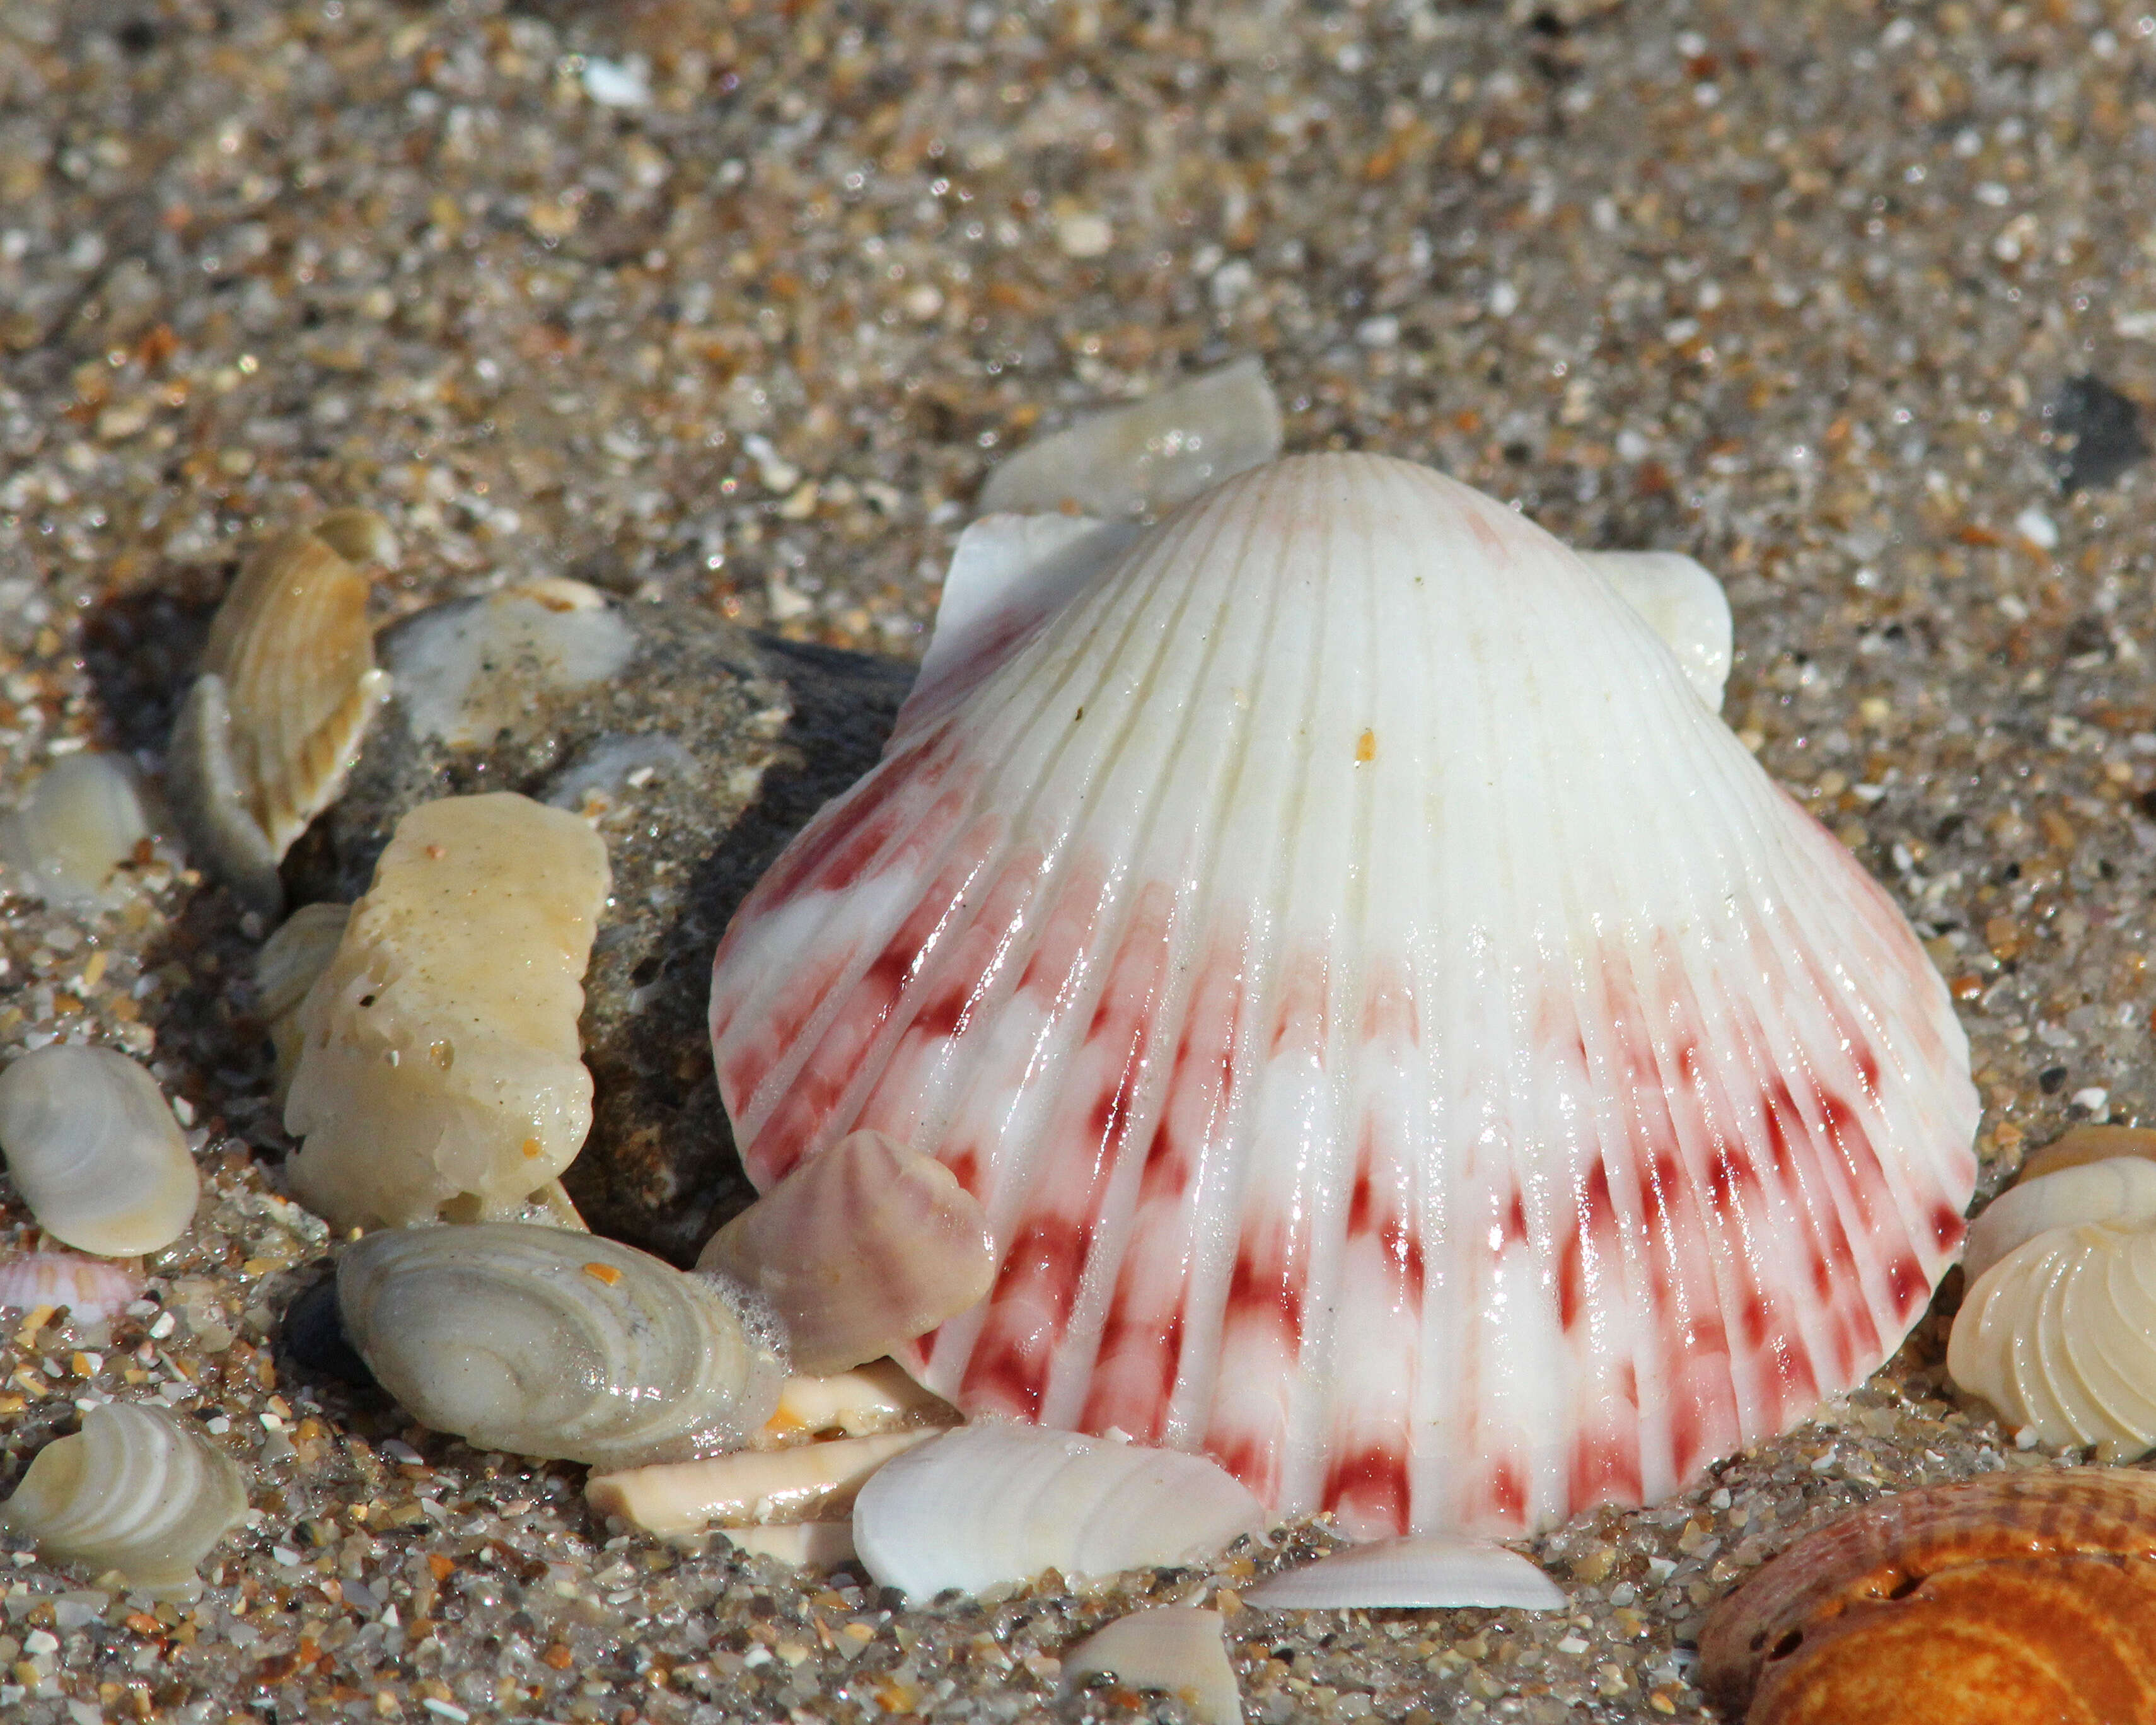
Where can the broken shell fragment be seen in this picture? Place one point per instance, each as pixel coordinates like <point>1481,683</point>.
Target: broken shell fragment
<point>2120,1189</point>
<point>874,1398</point>
<point>812,1545</point>
<point>1682,603</point>
<point>1173,1648</point>
<point>1888,1550</point>
<point>2059,1335</point>
<point>439,1072</point>
<point>1425,1571</point>
<point>285,968</point>
<point>95,1151</point>
<point>1404,1044</point>
<point>72,840</point>
<point>88,1289</point>
<point>809,1481</point>
<point>995,1503</point>
<point>1149,456</point>
<point>136,1489</point>
<point>858,1251</point>
<point>538,1341</point>
<point>2088,1143</point>
<point>271,727</point>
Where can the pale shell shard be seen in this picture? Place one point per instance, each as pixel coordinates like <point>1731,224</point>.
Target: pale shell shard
<point>1425,1571</point>
<point>467,669</point>
<point>808,1481</point>
<point>858,1251</point>
<point>95,1151</point>
<point>1682,603</point>
<point>874,1398</point>
<point>263,748</point>
<point>1174,1648</point>
<point>135,1490</point>
<point>2121,1189</point>
<point>286,967</point>
<point>539,1342</point>
<point>812,1545</point>
<point>1405,1047</point>
<point>2088,1143</point>
<point>1149,456</point>
<point>993,1503</point>
<point>2059,1335</point>
<point>88,1289</point>
<point>439,1072</point>
<point>74,838</point>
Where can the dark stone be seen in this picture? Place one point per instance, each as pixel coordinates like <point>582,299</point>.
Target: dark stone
<point>751,735</point>
<point>314,1337</point>
<point>2095,433</point>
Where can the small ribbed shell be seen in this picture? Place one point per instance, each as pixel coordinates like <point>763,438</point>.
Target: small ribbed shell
<point>95,1151</point>
<point>285,968</point>
<point>858,1251</point>
<point>2059,1335</point>
<point>2121,1189</point>
<point>88,1289</point>
<point>996,1502</point>
<point>272,726</point>
<point>1174,1648</point>
<point>136,1489</point>
<point>72,838</point>
<point>540,1341</point>
<point>1425,1571</point>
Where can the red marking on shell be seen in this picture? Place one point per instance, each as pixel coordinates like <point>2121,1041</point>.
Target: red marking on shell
<point>1604,1467</point>
<point>1008,1371</point>
<point>1949,1227</point>
<point>1265,1290</point>
<point>1370,1484</point>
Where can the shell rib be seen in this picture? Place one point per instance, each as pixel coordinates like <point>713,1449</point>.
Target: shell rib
<point>1405,1047</point>
<point>136,1491</point>
<point>95,1151</point>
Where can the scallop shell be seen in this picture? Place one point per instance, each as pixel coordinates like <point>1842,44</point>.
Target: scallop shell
<point>1172,1648</point>
<point>271,727</point>
<point>2121,1189</point>
<point>88,1289</point>
<point>95,1151</point>
<point>72,841</point>
<point>858,1251</point>
<point>285,968</point>
<point>1405,1047</point>
<point>136,1489</point>
<point>671,1498</point>
<point>543,1342</point>
<point>1889,1549</point>
<point>439,1074</point>
<point>993,1503</point>
<point>1424,1571</point>
<point>2059,1335</point>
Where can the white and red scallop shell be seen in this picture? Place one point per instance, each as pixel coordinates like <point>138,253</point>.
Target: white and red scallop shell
<point>1405,1047</point>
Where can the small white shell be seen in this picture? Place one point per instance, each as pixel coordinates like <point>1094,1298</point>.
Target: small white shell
<point>991,1503</point>
<point>2122,1189</point>
<point>859,1250</point>
<point>814,1545</point>
<point>90,1289</point>
<point>286,967</point>
<point>2059,1335</point>
<point>287,686</point>
<point>136,1489</point>
<point>1428,1571</point>
<point>1146,457</point>
<point>466,669</point>
<point>72,838</point>
<point>540,1341</point>
<point>95,1151</point>
<point>674,1497</point>
<point>873,1398</point>
<point>440,1072</point>
<point>1682,603</point>
<point>1173,1648</point>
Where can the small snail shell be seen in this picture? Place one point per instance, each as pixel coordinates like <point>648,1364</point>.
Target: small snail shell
<point>135,1490</point>
<point>95,1151</point>
<point>859,1250</point>
<point>540,1341</point>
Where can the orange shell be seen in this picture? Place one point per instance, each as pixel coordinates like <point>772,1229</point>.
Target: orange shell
<point>1894,1549</point>
<point>2088,1143</point>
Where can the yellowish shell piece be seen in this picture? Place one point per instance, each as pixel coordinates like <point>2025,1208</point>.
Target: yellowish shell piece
<point>135,1490</point>
<point>753,1486</point>
<point>1174,1648</point>
<point>813,1545</point>
<point>439,1076</point>
<point>876,1397</point>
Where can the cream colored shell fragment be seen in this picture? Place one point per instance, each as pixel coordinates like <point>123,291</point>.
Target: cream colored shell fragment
<point>2121,1189</point>
<point>288,684</point>
<point>439,1076</point>
<point>135,1490</point>
<point>2059,1335</point>
<point>71,840</point>
<point>1173,1648</point>
<point>286,967</point>
<point>754,1486</point>
<point>95,1151</point>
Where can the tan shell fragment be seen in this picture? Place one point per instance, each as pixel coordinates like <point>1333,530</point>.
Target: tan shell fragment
<point>2088,1143</point>
<point>809,1481</point>
<point>1173,1648</point>
<point>135,1490</point>
<point>877,1397</point>
<point>439,1076</point>
<point>274,721</point>
<point>2117,1189</point>
<point>860,1250</point>
<point>812,1545</point>
<point>1889,1550</point>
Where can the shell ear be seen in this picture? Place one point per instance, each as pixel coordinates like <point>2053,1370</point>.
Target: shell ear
<point>1009,575</point>
<point>1683,604</point>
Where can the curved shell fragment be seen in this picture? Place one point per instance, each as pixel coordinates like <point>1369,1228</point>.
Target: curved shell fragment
<point>1423,1571</point>
<point>2121,1189</point>
<point>2088,1143</point>
<point>812,1545</point>
<point>95,1151</point>
<point>439,1072</point>
<point>73,839</point>
<point>135,1490</point>
<point>1682,603</point>
<point>873,1398</point>
<point>1174,1648</point>
<point>89,1289</point>
<point>285,968</point>
<point>858,1251</point>
<point>468,669</point>
<point>540,1341</point>
<point>993,1503</point>
<point>807,1481</point>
